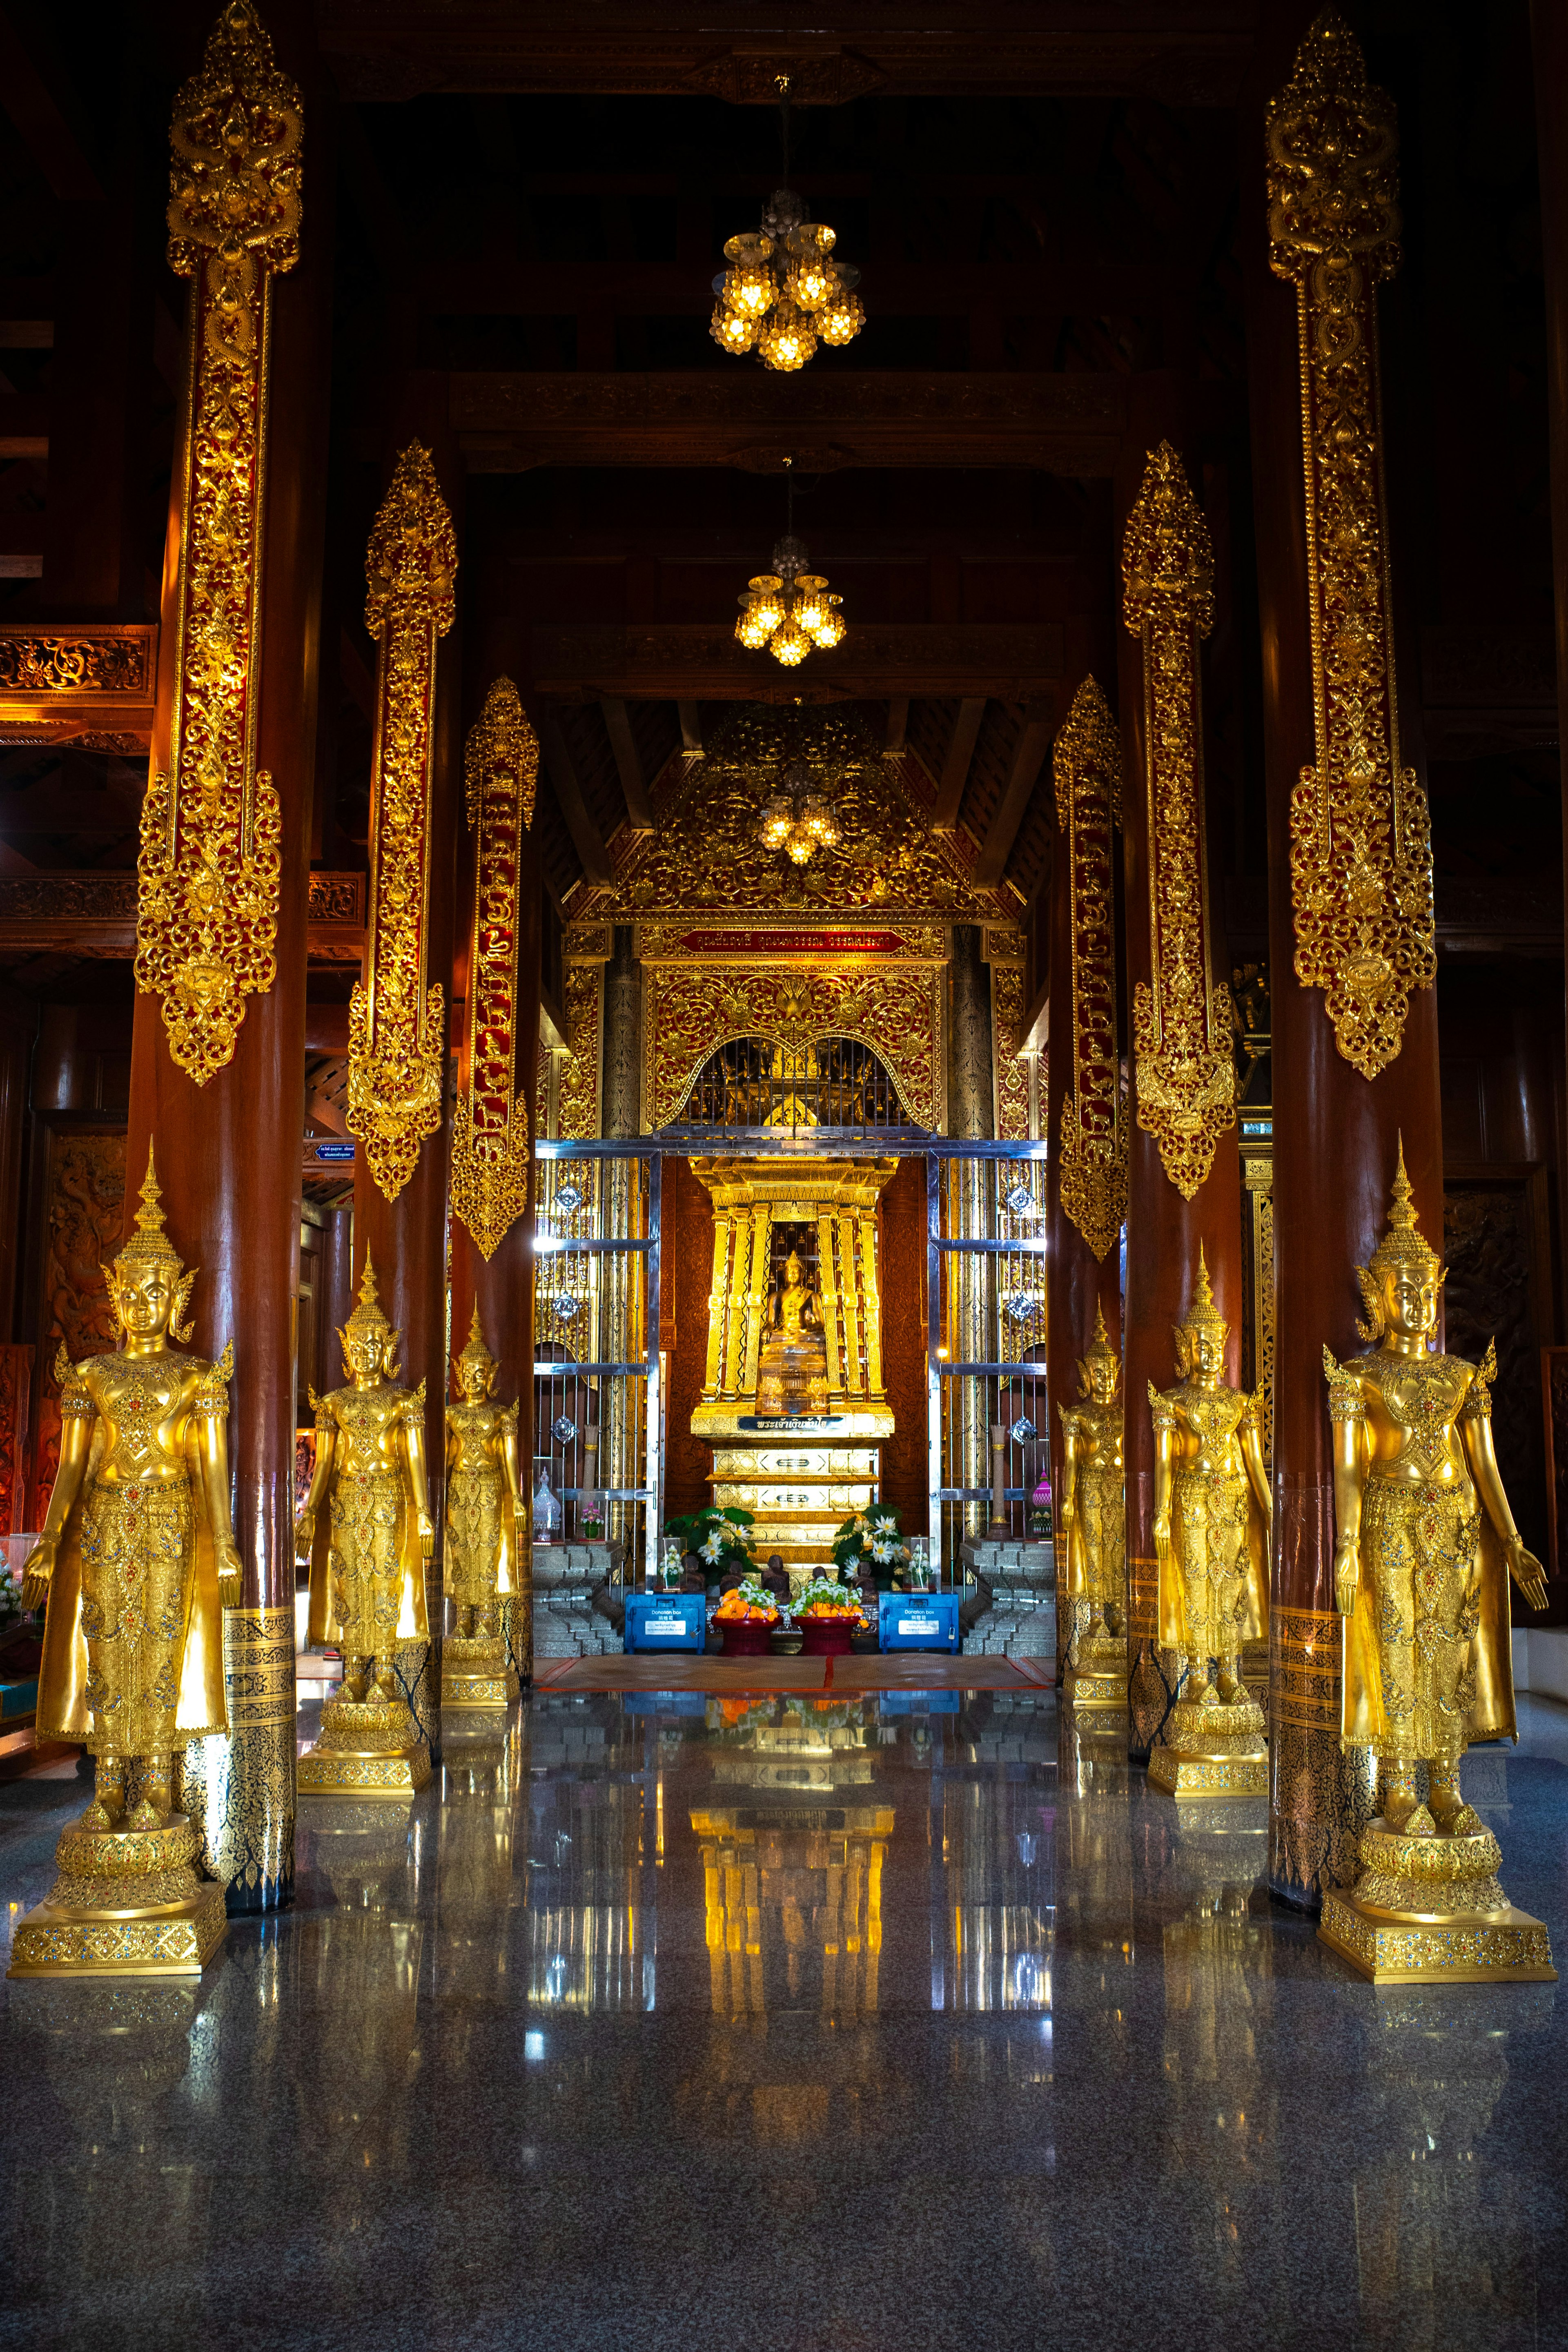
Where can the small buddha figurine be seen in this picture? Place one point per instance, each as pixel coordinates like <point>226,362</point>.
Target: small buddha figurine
<point>792,1376</point>
<point>367,1565</point>
<point>1094,1525</point>
<point>1425,1546</point>
<point>1212,1522</point>
<point>484,1518</point>
<point>136,1562</point>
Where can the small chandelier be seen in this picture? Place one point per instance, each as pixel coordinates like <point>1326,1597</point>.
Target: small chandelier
<point>796,819</point>
<point>782,295</point>
<point>790,608</point>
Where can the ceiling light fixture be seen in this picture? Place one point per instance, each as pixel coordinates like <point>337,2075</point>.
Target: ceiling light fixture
<point>789,609</point>
<point>797,819</point>
<point>782,295</point>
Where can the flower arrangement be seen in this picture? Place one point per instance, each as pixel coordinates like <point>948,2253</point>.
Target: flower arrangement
<point>870,1538</point>
<point>748,1602</point>
<point>823,1597</point>
<point>720,1539</point>
<point>10,1593</point>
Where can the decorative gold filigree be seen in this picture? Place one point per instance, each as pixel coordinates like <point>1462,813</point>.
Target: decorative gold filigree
<point>578,1108</point>
<point>492,1146</point>
<point>1013,1073</point>
<point>95,662</point>
<point>689,1013</point>
<point>206,932</point>
<point>1086,759</point>
<point>1180,1017</point>
<point>1361,851</point>
<point>396,1025</point>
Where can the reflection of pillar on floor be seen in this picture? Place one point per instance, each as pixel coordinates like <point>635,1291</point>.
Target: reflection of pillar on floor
<point>620,1275</point>
<point>1335,1129</point>
<point>971,1117</point>
<point>228,1149</point>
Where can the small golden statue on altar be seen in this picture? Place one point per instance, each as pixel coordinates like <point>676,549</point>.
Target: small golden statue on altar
<point>792,1372</point>
<point>137,1562</point>
<point>1212,1521</point>
<point>1425,1546</point>
<point>367,1564</point>
<point>1094,1527</point>
<point>484,1520</point>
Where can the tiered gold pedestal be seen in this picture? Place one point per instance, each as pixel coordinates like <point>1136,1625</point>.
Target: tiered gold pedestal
<point>799,1492</point>
<point>127,1902</point>
<point>367,1749</point>
<point>1431,1910</point>
<point>1096,1679</point>
<point>474,1673</point>
<point>1212,1751</point>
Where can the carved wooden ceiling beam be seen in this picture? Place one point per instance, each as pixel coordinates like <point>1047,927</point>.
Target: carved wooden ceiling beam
<point>89,683</point>
<point>572,800</point>
<point>93,915</point>
<point>584,662</point>
<point>1028,758</point>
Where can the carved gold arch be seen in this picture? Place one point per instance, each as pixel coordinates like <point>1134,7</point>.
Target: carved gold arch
<point>689,1013</point>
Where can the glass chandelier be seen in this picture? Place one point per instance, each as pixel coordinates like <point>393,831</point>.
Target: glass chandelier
<point>796,819</point>
<point>782,295</point>
<point>790,608</point>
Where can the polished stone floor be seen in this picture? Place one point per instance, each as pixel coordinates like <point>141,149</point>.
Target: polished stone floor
<point>820,2025</point>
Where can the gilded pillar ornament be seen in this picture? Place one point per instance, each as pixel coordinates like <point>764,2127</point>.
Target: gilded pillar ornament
<point>491,1145</point>
<point>397,1021</point>
<point>1185,1087</point>
<point>1086,759</point>
<point>1361,853</point>
<point>206,923</point>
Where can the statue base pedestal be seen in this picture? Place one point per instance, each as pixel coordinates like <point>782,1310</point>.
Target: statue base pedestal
<point>1212,1751</point>
<point>474,1674</point>
<point>1097,1679</point>
<point>1431,1910</point>
<point>367,1749</point>
<point>127,1902</point>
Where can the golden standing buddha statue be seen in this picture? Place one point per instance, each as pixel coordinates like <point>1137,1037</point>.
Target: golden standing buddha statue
<point>1425,1550</point>
<point>367,1565</point>
<point>136,1562</point>
<point>1094,1527</point>
<point>486,1523</point>
<point>1212,1520</point>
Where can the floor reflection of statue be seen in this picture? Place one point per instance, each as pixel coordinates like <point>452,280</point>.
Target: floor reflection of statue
<point>792,1376</point>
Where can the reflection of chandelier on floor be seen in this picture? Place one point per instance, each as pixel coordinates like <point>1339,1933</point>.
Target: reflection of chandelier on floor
<point>795,819</point>
<point>781,294</point>
<point>789,609</point>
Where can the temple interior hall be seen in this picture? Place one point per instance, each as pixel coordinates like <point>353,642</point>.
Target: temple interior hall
<point>783,1284</point>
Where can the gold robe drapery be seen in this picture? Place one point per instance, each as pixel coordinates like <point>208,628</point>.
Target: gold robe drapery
<point>1362,1720</point>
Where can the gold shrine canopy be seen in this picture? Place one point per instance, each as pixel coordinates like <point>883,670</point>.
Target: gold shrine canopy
<point>736,943</point>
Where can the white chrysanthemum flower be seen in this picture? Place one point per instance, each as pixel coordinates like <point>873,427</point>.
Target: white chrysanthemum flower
<point>713,1550</point>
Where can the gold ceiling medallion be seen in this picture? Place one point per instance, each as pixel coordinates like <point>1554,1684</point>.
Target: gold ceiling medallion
<point>1086,759</point>
<point>206,925</point>
<point>1181,1018</point>
<point>1361,850</point>
<point>396,1025</point>
<point>490,1141</point>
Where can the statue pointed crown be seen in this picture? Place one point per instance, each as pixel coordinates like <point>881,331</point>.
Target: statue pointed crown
<point>1203,1314</point>
<point>1403,1244</point>
<point>1098,1350</point>
<point>476,1352</point>
<point>368,1316</point>
<point>150,1240</point>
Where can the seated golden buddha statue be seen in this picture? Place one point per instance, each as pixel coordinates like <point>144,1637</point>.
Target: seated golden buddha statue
<point>792,1373</point>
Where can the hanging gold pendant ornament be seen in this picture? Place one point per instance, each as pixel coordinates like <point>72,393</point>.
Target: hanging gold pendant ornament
<point>397,1026</point>
<point>491,1160</point>
<point>1180,1017</point>
<point>1361,848</point>
<point>1086,759</point>
<point>207,916</point>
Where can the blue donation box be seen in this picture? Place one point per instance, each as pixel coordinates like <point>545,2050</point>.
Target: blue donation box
<point>918,1620</point>
<point>666,1621</point>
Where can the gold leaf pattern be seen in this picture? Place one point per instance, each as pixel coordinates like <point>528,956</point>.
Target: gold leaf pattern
<point>397,1026</point>
<point>895,1013</point>
<point>209,864</point>
<point>1180,1017</point>
<point>1361,854</point>
<point>492,1146</point>
<point>1086,761</point>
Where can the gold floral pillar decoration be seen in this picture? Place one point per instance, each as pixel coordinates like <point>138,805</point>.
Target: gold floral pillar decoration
<point>1087,761</point>
<point>1181,1016</point>
<point>491,1138</point>
<point>207,919</point>
<point>396,1024</point>
<point>1361,850</point>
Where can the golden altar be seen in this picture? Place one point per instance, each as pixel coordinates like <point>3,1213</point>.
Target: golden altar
<point>793,1399</point>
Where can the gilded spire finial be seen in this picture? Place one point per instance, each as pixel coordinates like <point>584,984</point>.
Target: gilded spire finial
<point>369,1315</point>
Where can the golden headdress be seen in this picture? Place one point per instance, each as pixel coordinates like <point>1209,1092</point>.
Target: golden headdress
<point>476,1352</point>
<point>1098,1350</point>
<point>1202,1315</point>
<point>151,1244</point>
<point>368,1318</point>
<point>1403,1244</point>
